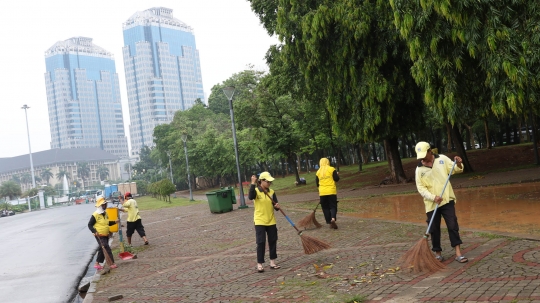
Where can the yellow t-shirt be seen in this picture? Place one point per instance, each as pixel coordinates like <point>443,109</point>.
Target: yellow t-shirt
<point>430,181</point>
<point>264,208</point>
<point>132,209</point>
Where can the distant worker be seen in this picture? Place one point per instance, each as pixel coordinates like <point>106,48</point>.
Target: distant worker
<point>99,225</point>
<point>134,221</point>
<point>325,179</point>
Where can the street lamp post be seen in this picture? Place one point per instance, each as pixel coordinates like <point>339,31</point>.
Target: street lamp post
<point>25,107</point>
<point>229,92</point>
<point>184,138</point>
<point>170,170</point>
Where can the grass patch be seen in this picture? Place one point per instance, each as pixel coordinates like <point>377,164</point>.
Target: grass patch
<point>150,203</point>
<point>489,235</point>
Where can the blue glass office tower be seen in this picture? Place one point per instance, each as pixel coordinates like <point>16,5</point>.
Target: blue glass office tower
<point>163,73</point>
<point>83,97</point>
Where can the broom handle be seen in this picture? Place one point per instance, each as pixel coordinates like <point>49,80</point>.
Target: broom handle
<point>437,206</point>
<point>317,206</point>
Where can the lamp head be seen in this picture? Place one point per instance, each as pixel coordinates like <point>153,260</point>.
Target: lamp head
<point>229,91</point>
<point>184,138</point>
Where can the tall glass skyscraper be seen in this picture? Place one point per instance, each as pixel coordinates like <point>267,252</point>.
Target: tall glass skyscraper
<point>83,97</point>
<point>163,73</point>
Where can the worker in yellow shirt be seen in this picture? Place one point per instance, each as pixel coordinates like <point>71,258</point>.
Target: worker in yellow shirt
<point>134,221</point>
<point>430,176</point>
<point>265,202</point>
<point>99,225</point>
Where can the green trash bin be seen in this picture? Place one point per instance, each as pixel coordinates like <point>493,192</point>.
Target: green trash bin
<point>220,201</point>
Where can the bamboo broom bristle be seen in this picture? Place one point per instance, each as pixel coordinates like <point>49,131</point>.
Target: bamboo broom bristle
<point>420,258</point>
<point>309,222</point>
<point>313,245</point>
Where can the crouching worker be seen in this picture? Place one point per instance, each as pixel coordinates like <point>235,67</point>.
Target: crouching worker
<point>134,222</point>
<point>99,225</point>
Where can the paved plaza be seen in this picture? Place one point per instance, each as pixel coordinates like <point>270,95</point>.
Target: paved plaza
<point>197,256</point>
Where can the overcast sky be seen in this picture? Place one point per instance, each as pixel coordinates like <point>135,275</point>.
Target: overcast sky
<point>228,36</point>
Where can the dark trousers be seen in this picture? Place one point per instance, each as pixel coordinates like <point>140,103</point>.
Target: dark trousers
<point>135,226</point>
<point>105,242</point>
<point>448,212</point>
<point>261,232</point>
<point>329,207</point>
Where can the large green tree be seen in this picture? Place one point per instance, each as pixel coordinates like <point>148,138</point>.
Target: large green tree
<point>474,56</point>
<point>353,48</point>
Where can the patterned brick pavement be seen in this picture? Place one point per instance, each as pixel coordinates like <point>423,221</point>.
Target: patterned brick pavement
<point>197,256</point>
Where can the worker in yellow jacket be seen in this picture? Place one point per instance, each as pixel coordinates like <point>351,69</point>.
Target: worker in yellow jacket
<point>325,179</point>
<point>134,221</point>
<point>430,176</point>
<point>99,225</point>
<point>265,202</point>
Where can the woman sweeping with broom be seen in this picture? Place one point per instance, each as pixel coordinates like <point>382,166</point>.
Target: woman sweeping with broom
<point>431,177</point>
<point>326,179</point>
<point>264,219</point>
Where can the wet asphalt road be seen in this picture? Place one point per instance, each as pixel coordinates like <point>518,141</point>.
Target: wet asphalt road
<point>44,253</point>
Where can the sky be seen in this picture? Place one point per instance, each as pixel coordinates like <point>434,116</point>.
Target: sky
<point>228,35</point>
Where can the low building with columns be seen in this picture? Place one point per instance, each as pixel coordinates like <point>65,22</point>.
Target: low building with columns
<point>61,160</point>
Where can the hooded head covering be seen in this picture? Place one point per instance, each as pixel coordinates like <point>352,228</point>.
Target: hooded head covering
<point>324,163</point>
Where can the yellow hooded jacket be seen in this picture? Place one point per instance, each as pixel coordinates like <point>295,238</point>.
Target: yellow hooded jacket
<point>430,181</point>
<point>327,185</point>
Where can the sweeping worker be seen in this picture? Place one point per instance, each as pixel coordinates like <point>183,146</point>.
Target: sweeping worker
<point>431,175</point>
<point>134,221</point>
<point>265,202</point>
<point>99,225</point>
<point>325,179</point>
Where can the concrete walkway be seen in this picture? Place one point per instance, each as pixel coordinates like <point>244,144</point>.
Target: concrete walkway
<point>197,256</point>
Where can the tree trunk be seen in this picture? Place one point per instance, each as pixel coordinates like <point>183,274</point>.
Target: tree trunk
<point>534,138</point>
<point>458,142</point>
<point>470,142</point>
<point>449,137</point>
<point>360,157</point>
<point>410,146</point>
<point>488,138</point>
<point>394,162</point>
<point>295,168</point>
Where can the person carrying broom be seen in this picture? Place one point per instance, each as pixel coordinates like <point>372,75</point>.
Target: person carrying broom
<point>264,219</point>
<point>99,226</point>
<point>431,175</point>
<point>325,179</point>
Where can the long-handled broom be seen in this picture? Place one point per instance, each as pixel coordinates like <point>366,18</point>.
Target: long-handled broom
<point>310,221</point>
<point>310,244</point>
<point>108,259</point>
<point>420,258</point>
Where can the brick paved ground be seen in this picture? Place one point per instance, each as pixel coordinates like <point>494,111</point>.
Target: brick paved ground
<point>196,256</point>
